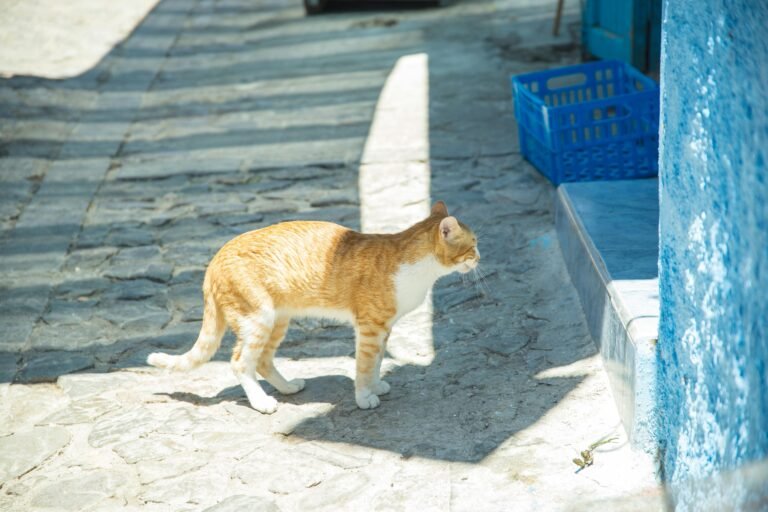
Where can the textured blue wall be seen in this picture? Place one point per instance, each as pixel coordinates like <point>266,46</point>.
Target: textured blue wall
<point>713,275</point>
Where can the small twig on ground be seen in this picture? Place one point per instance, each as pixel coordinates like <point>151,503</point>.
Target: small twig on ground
<point>586,458</point>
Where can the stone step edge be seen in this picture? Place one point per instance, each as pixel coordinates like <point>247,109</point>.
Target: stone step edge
<point>627,351</point>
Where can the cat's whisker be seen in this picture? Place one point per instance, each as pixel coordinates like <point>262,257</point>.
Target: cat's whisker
<point>479,288</point>
<point>473,275</point>
<point>483,278</point>
<point>482,282</point>
<point>479,285</point>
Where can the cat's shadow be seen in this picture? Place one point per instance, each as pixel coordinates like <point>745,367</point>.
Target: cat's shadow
<point>428,414</point>
<point>461,418</point>
<point>322,389</point>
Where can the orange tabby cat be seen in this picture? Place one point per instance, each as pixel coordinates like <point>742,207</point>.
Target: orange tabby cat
<point>259,280</point>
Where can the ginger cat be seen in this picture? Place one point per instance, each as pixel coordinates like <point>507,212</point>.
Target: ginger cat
<point>261,279</point>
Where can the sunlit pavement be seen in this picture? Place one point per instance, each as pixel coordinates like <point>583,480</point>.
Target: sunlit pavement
<point>120,181</point>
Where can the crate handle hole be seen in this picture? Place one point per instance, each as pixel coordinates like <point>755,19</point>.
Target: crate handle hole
<point>611,112</point>
<point>559,82</point>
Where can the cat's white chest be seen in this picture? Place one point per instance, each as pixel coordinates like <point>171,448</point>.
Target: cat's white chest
<point>413,281</point>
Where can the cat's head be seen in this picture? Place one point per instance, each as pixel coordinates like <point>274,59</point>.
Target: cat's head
<point>456,244</point>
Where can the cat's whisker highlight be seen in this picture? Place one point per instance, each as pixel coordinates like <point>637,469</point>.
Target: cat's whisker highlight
<point>480,278</point>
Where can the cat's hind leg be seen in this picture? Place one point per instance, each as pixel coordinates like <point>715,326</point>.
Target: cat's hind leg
<point>378,386</point>
<point>369,350</point>
<point>253,333</point>
<point>266,365</point>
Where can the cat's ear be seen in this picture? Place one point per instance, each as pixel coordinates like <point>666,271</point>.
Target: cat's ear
<point>439,208</point>
<point>449,229</point>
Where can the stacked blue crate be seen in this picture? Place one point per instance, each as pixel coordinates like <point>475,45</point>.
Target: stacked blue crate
<point>594,121</point>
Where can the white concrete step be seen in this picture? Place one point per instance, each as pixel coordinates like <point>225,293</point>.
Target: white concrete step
<point>608,234</point>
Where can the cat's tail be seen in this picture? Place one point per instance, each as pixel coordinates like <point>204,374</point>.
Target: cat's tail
<point>207,343</point>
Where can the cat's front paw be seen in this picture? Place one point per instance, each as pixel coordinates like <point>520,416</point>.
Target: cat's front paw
<point>294,386</point>
<point>265,405</point>
<point>366,399</point>
<point>380,387</point>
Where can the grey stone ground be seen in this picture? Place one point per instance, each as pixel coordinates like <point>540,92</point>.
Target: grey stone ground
<point>217,117</point>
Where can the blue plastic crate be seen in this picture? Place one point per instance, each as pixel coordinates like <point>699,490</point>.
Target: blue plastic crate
<point>595,121</point>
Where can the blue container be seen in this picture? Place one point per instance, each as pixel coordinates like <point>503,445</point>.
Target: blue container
<point>595,121</point>
<point>627,30</point>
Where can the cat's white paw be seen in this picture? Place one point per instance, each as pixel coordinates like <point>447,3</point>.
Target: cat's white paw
<point>380,387</point>
<point>366,399</point>
<point>294,386</point>
<point>265,405</point>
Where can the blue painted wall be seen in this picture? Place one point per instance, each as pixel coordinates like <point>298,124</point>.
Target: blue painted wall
<point>713,269</point>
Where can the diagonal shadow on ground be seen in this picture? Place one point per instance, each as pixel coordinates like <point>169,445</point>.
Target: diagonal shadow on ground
<point>481,387</point>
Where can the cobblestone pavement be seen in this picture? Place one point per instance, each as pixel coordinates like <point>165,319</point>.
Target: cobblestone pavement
<point>217,117</point>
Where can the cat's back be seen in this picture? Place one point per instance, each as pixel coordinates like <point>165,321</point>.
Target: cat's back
<point>303,239</point>
<point>294,262</point>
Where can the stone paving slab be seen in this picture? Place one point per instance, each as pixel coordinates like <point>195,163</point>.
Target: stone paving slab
<point>217,117</point>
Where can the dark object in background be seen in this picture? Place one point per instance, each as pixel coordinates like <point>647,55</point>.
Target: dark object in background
<point>317,6</point>
<point>626,30</point>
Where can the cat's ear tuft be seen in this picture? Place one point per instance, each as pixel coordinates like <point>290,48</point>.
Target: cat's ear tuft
<point>439,208</point>
<point>449,229</point>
